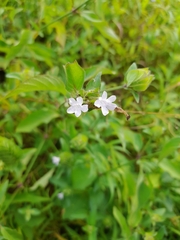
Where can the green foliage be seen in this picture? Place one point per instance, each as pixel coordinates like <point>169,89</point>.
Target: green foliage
<point>114,179</point>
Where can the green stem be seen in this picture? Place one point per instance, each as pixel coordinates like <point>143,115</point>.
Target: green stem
<point>66,15</point>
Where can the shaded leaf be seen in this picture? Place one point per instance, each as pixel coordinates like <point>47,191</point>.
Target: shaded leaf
<point>35,119</point>
<point>9,151</point>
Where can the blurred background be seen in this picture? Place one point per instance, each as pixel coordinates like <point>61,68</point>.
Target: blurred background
<point>91,177</point>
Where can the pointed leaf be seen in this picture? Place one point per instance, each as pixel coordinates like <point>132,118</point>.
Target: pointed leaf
<point>170,147</point>
<point>35,119</point>
<point>173,168</point>
<point>122,222</point>
<point>40,83</point>
<point>43,181</point>
<point>10,234</point>
<point>75,76</point>
<point>94,83</point>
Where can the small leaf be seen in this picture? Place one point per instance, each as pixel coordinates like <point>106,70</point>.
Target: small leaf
<point>136,96</point>
<point>90,16</point>
<point>94,83</point>
<point>79,142</point>
<point>107,31</point>
<point>75,76</point>
<point>170,147</point>
<point>122,222</point>
<point>39,83</point>
<point>9,151</point>
<point>35,119</point>
<point>29,197</point>
<point>43,181</point>
<point>10,234</point>
<point>3,189</point>
<point>173,168</point>
<point>139,79</point>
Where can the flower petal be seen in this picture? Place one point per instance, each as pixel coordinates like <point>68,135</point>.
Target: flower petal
<point>78,112</point>
<point>112,98</point>
<point>111,106</point>
<point>71,109</point>
<point>84,108</point>
<point>79,100</point>
<point>104,111</point>
<point>104,95</point>
<point>72,101</point>
<point>97,103</point>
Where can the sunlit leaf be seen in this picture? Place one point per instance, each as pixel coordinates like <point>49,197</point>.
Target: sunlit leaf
<point>75,76</point>
<point>10,234</point>
<point>122,222</point>
<point>39,83</point>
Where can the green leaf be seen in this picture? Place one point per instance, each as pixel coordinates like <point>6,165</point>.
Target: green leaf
<point>15,50</point>
<point>94,83</point>
<point>79,142</point>
<point>90,16</point>
<point>43,181</point>
<point>29,197</point>
<point>35,119</point>
<point>170,147</point>
<point>136,96</point>
<point>3,189</point>
<point>40,83</point>
<point>82,176</point>
<point>133,75</point>
<point>11,234</point>
<point>9,151</point>
<point>139,79</point>
<point>122,222</point>
<point>107,31</point>
<point>173,168</point>
<point>92,71</point>
<point>75,76</point>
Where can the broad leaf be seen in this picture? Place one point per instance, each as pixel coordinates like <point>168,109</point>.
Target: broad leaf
<point>94,83</point>
<point>35,119</point>
<point>173,168</point>
<point>170,147</point>
<point>10,234</point>
<point>39,83</point>
<point>75,76</point>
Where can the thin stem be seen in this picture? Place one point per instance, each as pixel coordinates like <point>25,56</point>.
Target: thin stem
<point>66,15</point>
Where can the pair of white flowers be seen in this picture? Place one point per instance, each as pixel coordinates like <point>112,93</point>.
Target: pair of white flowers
<point>106,105</point>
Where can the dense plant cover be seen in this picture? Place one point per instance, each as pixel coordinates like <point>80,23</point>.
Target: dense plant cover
<point>89,128</point>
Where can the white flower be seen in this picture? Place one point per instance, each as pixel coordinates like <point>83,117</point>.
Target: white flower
<point>106,103</point>
<point>76,106</point>
<point>55,160</point>
<point>60,195</point>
